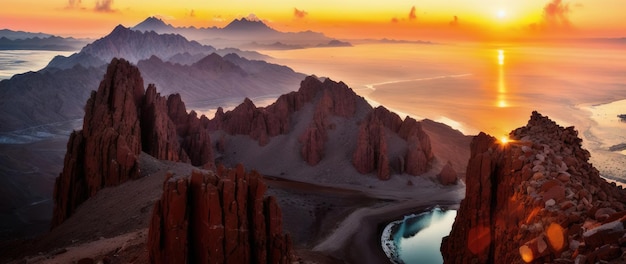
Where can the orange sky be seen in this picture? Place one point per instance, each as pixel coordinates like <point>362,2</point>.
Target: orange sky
<point>398,19</point>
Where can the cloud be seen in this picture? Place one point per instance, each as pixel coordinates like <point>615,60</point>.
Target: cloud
<point>556,14</point>
<point>218,18</point>
<point>412,15</point>
<point>71,4</point>
<point>455,21</point>
<point>252,17</point>
<point>104,6</point>
<point>300,13</point>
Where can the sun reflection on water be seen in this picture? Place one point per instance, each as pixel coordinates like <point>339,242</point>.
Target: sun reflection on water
<point>502,100</point>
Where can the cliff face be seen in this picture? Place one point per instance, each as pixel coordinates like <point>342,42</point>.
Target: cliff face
<point>371,153</point>
<point>121,120</point>
<point>105,152</point>
<point>218,217</point>
<point>536,199</point>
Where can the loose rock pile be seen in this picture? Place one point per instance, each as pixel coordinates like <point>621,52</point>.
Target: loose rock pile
<point>537,199</point>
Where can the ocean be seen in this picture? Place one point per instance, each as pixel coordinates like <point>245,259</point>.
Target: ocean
<point>488,87</point>
<point>20,61</point>
<point>471,87</point>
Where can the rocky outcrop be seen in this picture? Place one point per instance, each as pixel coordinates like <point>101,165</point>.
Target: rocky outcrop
<point>447,176</point>
<point>329,101</point>
<point>220,217</point>
<point>536,199</point>
<point>336,100</point>
<point>371,152</point>
<point>159,133</point>
<point>264,122</point>
<point>105,152</point>
<point>121,120</point>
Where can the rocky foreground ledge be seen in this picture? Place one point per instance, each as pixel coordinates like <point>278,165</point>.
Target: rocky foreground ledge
<point>536,199</point>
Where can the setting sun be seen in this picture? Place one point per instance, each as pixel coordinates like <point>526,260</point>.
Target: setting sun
<point>501,13</point>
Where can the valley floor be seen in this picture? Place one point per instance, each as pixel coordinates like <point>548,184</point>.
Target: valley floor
<point>328,225</point>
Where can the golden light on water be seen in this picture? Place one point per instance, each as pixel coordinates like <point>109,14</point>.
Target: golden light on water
<point>502,102</point>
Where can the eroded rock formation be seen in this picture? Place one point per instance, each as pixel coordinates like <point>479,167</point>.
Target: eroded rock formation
<point>536,199</point>
<point>121,120</point>
<point>330,100</point>
<point>220,217</point>
<point>371,153</point>
<point>447,176</point>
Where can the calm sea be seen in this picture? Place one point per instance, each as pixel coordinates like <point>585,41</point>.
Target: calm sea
<point>20,61</point>
<point>490,88</point>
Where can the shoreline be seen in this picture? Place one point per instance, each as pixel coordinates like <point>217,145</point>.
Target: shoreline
<point>603,130</point>
<point>357,237</point>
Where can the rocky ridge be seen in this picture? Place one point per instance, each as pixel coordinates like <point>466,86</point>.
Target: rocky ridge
<point>330,101</point>
<point>372,154</point>
<point>121,120</point>
<point>536,199</point>
<point>241,32</point>
<point>220,217</point>
<point>171,62</point>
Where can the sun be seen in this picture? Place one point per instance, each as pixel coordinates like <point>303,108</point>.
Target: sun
<point>501,13</point>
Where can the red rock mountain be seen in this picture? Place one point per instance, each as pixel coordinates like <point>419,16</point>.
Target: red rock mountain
<point>322,108</point>
<point>121,120</point>
<point>536,199</point>
<point>221,217</point>
<point>218,217</point>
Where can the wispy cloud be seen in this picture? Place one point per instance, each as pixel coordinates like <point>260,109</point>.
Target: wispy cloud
<point>104,6</point>
<point>252,17</point>
<point>218,18</point>
<point>412,15</point>
<point>556,13</point>
<point>455,21</point>
<point>71,4</point>
<point>556,16</point>
<point>297,13</point>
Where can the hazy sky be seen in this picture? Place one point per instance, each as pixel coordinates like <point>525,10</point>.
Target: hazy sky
<point>400,19</point>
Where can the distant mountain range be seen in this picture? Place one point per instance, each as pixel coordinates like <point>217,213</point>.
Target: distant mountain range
<point>135,45</point>
<point>243,33</point>
<point>13,35</point>
<point>20,40</point>
<point>42,108</point>
<point>198,72</point>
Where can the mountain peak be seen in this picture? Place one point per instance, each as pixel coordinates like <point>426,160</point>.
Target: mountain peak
<point>248,24</point>
<point>152,24</point>
<point>119,28</point>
